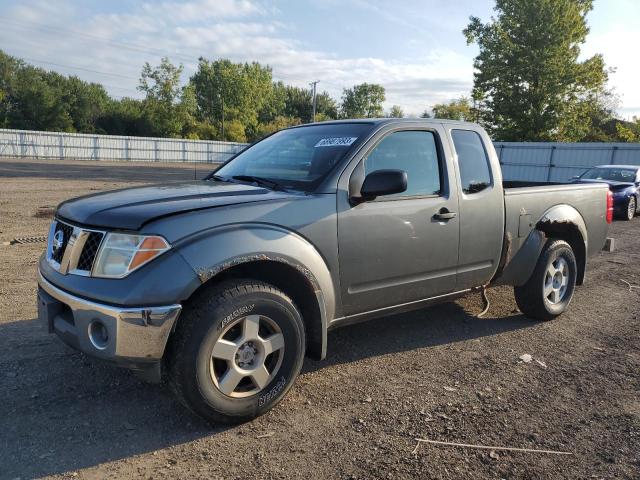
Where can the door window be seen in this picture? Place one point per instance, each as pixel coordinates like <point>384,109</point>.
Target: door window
<point>473,162</point>
<point>413,151</point>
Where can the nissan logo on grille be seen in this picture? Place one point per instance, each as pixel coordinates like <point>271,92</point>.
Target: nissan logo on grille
<point>58,241</point>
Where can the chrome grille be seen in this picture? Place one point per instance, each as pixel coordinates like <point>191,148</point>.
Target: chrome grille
<point>72,249</point>
<point>90,251</point>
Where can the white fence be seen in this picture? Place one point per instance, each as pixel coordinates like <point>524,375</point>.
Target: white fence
<point>76,146</point>
<point>527,161</point>
<point>557,162</point>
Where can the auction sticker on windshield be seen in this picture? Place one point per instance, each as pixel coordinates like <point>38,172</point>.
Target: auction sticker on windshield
<point>335,142</point>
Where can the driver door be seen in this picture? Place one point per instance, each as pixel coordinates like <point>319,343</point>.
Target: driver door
<point>396,249</point>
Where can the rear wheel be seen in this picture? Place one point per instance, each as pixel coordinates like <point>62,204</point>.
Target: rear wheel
<point>550,289</point>
<point>631,208</point>
<point>237,350</point>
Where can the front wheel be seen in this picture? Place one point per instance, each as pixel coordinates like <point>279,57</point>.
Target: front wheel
<point>550,289</point>
<point>237,350</point>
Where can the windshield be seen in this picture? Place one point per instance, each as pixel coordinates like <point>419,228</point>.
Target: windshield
<point>611,174</point>
<point>297,158</point>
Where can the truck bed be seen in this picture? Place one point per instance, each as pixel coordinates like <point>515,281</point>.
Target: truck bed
<point>526,204</point>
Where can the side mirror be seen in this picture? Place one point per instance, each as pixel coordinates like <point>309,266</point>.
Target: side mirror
<point>383,182</point>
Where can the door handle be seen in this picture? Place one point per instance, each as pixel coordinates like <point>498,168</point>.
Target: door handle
<point>444,215</point>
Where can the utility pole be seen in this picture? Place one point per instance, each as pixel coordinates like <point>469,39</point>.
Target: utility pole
<point>313,84</point>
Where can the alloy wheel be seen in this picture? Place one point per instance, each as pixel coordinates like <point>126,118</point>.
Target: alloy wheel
<point>556,280</point>
<point>247,356</point>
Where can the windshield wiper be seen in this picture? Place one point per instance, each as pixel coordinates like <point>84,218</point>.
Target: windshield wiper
<point>218,178</point>
<point>260,181</point>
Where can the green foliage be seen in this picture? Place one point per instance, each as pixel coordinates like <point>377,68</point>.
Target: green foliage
<point>529,78</point>
<point>85,103</point>
<point>297,103</point>
<point>459,109</point>
<point>234,94</point>
<point>629,131</point>
<point>123,117</point>
<point>396,112</point>
<point>278,123</point>
<point>363,101</point>
<point>568,103</point>
<point>168,108</point>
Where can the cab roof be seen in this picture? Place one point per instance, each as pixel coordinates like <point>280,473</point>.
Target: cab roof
<point>384,121</point>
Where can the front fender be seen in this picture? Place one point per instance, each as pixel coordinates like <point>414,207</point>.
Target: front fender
<point>215,250</point>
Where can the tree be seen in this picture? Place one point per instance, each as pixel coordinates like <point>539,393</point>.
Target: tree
<point>223,100</point>
<point>85,103</point>
<point>37,101</point>
<point>363,101</point>
<point>227,91</point>
<point>167,107</point>
<point>459,109</point>
<point>628,131</point>
<point>122,117</point>
<point>297,103</point>
<point>425,114</point>
<point>528,77</point>
<point>326,107</point>
<point>396,112</point>
<point>278,123</point>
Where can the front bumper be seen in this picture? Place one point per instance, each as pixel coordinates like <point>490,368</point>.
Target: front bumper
<point>130,336</point>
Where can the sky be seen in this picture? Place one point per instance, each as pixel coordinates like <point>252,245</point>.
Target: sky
<point>414,48</point>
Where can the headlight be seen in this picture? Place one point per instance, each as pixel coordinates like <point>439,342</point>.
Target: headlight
<point>121,254</point>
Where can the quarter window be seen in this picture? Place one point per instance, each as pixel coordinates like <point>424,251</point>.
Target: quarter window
<point>413,151</point>
<point>473,162</point>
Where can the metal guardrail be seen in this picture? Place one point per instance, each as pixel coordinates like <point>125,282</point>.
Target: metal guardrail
<point>75,146</point>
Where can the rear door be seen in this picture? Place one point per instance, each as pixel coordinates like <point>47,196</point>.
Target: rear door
<point>481,205</point>
<point>394,250</point>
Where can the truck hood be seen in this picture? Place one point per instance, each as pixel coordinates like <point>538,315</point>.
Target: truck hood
<point>131,208</point>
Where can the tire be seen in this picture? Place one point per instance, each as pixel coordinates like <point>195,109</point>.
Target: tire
<point>541,298</point>
<point>632,206</point>
<point>224,338</point>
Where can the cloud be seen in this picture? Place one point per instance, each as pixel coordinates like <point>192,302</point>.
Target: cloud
<point>200,10</point>
<point>242,30</point>
<point>611,44</point>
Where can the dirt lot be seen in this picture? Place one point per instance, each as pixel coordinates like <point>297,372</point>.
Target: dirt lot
<point>440,374</point>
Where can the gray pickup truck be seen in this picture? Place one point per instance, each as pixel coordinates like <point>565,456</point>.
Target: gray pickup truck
<point>222,285</point>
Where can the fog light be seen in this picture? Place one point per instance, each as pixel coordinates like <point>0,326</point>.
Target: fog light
<point>98,334</point>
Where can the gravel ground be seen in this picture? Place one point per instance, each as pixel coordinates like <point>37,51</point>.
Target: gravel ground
<point>439,373</point>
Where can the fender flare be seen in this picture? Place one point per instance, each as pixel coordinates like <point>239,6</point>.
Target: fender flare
<point>560,221</point>
<point>213,251</point>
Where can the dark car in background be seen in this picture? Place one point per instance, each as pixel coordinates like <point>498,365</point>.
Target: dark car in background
<point>624,183</point>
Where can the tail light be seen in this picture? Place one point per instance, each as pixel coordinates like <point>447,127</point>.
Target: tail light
<point>609,206</point>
